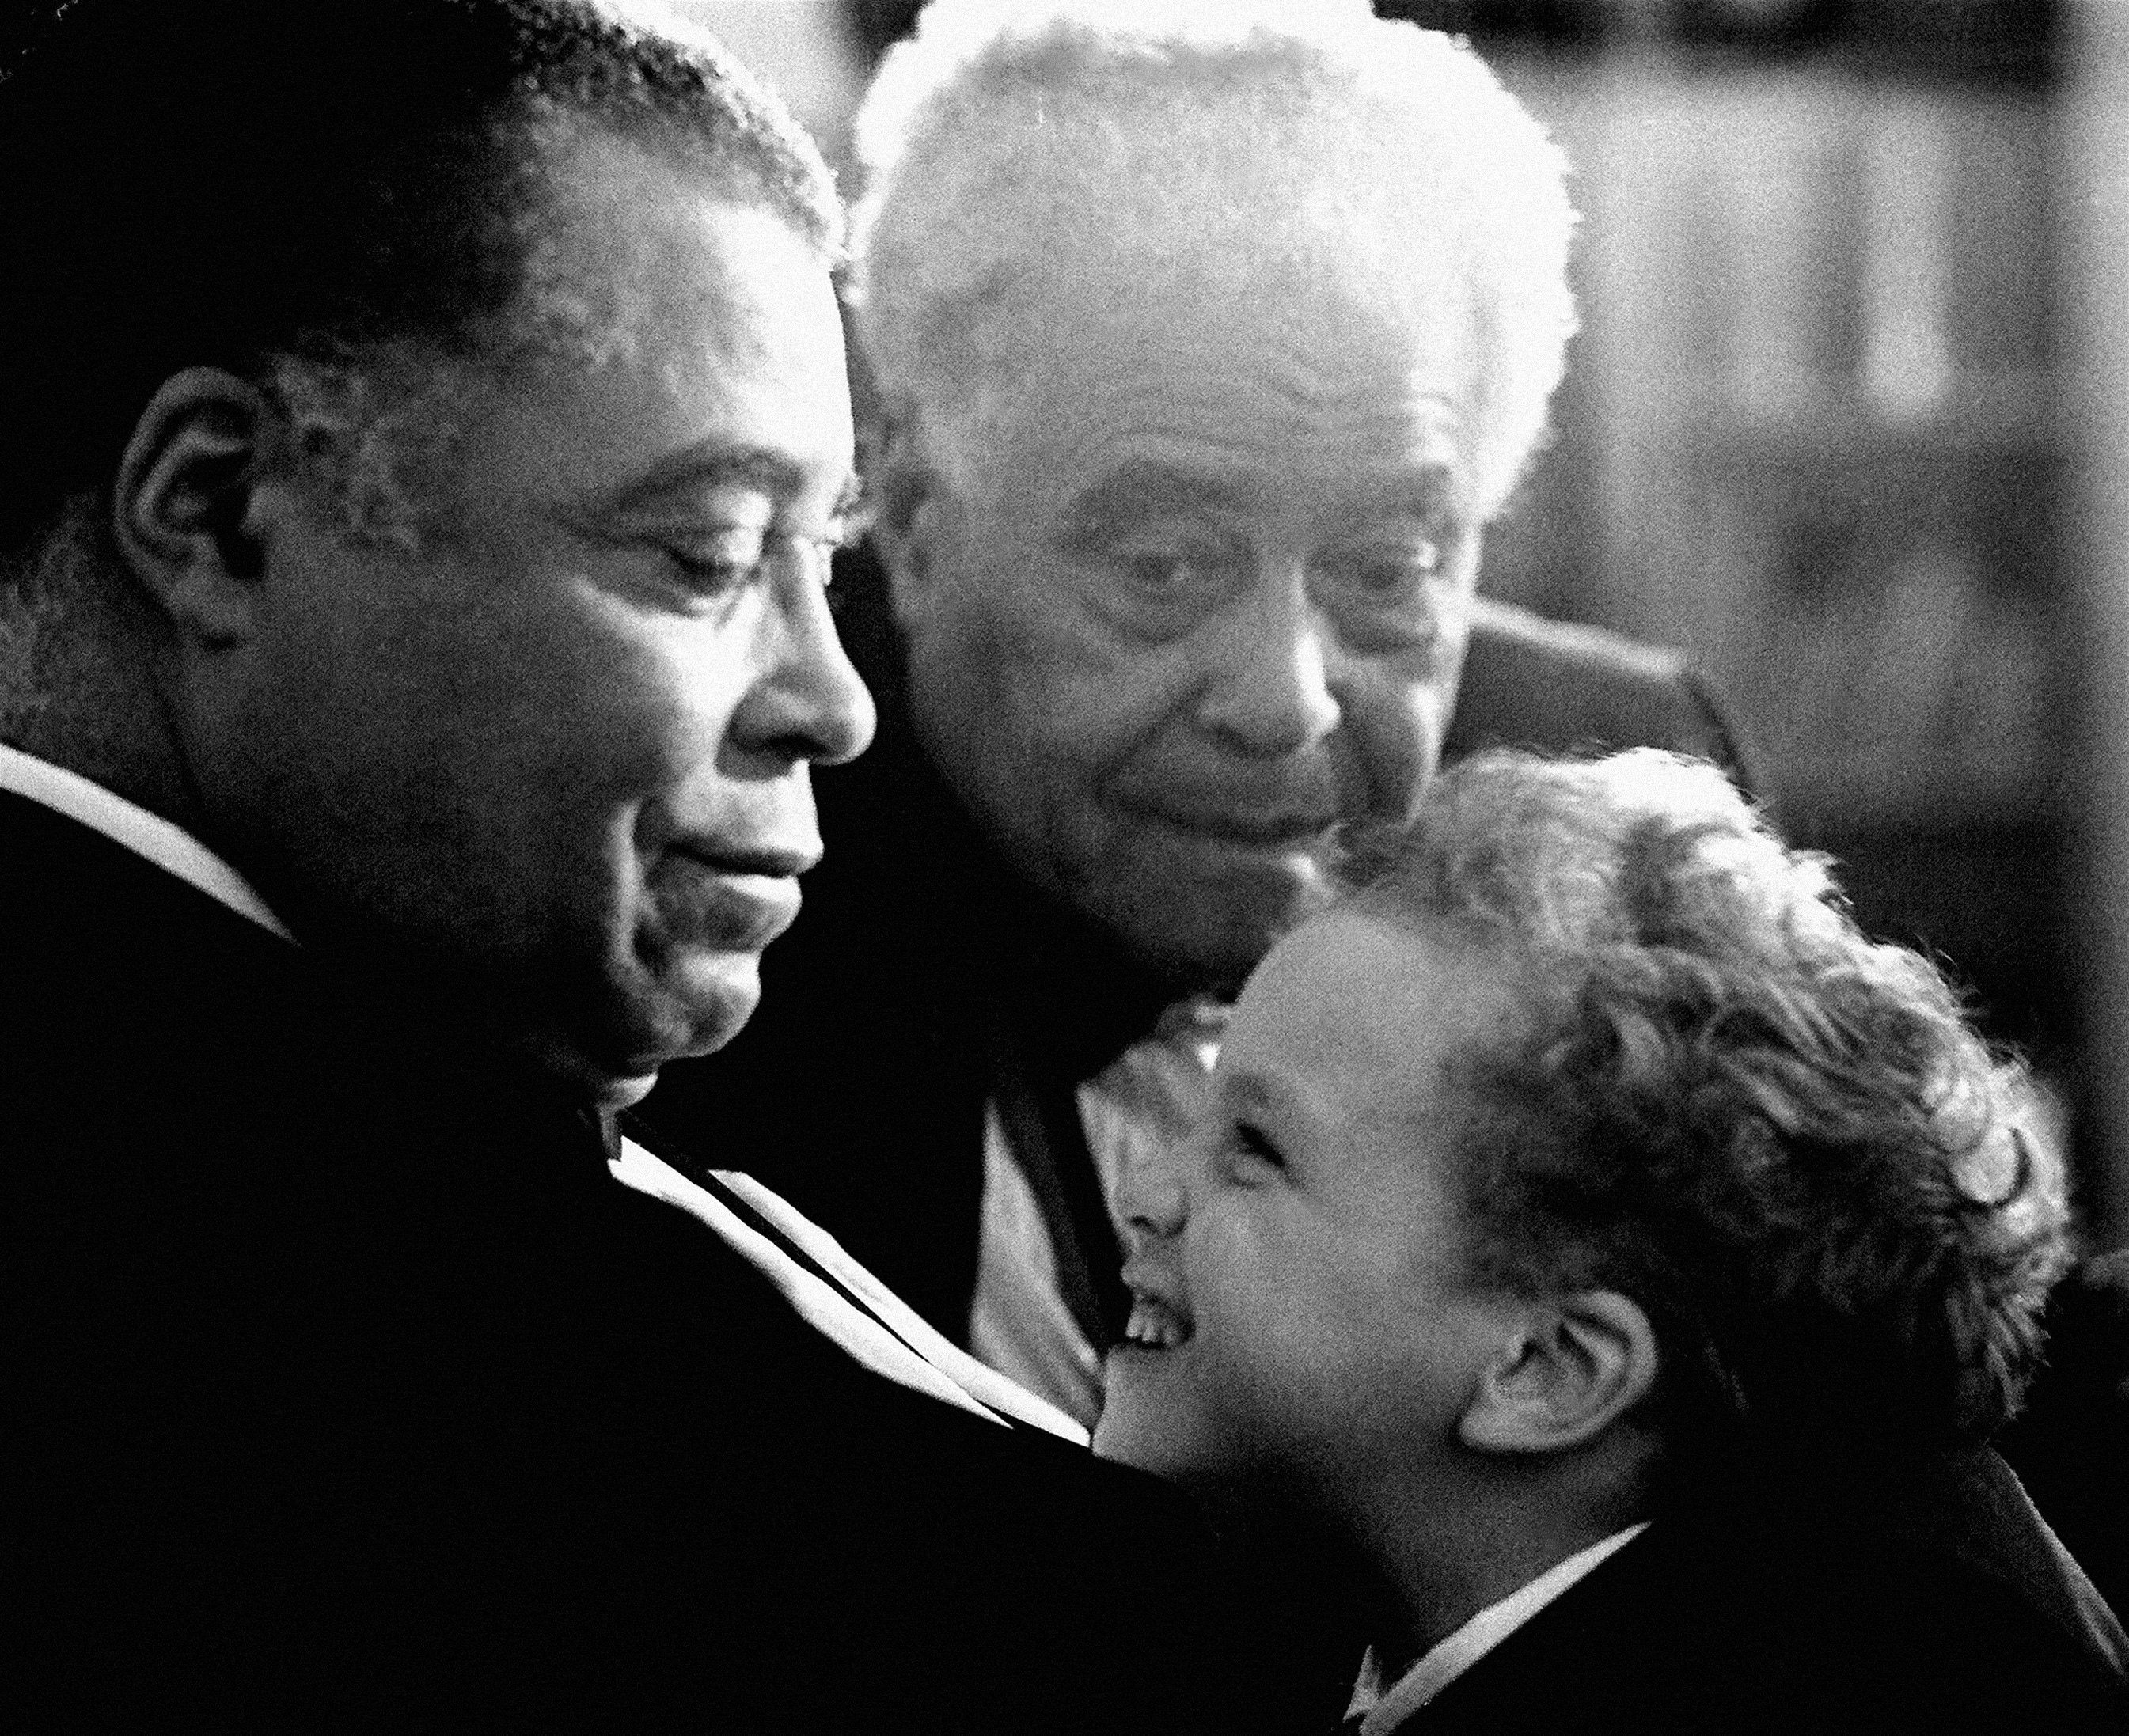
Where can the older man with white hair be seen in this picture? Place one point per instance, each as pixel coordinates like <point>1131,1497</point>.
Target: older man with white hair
<point>1205,340</point>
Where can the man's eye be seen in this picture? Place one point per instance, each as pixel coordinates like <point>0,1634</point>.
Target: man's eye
<point>1157,588</point>
<point>1161,566</point>
<point>722,560</point>
<point>1393,577</point>
<point>1161,570</point>
<point>731,560</point>
<point>1403,573</point>
<point>1153,581</point>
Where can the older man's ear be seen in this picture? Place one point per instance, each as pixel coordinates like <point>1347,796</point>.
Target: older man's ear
<point>182,508</point>
<point>1577,1364</point>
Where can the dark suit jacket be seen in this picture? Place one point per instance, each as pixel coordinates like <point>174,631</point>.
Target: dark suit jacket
<point>1921,1599</point>
<point>2071,1444</point>
<point>928,979</point>
<point>345,1390</point>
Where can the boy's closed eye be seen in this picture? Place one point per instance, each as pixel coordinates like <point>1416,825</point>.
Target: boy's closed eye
<point>1250,1148</point>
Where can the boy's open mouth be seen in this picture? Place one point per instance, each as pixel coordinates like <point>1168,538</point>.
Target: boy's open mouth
<point>1154,1324</point>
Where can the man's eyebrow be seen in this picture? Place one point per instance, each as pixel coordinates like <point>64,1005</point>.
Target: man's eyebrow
<point>1423,493</point>
<point>764,468</point>
<point>1142,489</point>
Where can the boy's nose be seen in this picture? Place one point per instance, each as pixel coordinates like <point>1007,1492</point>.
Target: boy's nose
<point>1151,1198</point>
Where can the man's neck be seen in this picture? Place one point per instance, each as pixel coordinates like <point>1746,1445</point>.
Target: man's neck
<point>78,687</point>
<point>160,789</point>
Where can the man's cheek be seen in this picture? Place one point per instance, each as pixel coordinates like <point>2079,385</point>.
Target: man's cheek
<point>1397,730</point>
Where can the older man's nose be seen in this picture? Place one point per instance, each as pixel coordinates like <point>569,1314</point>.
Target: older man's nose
<point>1272,689</point>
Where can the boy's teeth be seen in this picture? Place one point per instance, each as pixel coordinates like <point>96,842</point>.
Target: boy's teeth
<point>1153,1325</point>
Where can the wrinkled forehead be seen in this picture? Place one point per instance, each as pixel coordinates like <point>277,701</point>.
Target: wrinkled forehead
<point>1314,299</point>
<point>1266,350</point>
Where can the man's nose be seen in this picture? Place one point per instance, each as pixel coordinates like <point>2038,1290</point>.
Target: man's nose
<point>808,702</point>
<point>1277,669</point>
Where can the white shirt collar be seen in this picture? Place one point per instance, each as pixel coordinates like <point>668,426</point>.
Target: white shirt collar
<point>1443,1663</point>
<point>893,1339</point>
<point>169,847</point>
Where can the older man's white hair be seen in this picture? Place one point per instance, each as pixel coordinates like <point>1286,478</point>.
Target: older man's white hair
<point>1020,154</point>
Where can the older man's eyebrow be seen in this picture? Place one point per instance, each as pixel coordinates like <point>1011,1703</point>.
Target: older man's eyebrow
<point>1142,489</point>
<point>1425,491</point>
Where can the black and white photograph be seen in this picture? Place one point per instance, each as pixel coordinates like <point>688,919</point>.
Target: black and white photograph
<point>1127,867</point>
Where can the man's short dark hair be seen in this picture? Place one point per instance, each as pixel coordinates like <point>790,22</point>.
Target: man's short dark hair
<point>1784,1140</point>
<point>230,183</point>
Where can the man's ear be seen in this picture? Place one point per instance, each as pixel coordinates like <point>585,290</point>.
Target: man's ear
<point>181,509</point>
<point>909,507</point>
<point>1578,1363</point>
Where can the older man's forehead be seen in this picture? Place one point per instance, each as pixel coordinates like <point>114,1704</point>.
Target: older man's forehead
<point>1184,360</point>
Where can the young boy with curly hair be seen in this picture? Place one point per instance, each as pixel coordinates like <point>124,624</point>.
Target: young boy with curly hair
<point>1609,1265</point>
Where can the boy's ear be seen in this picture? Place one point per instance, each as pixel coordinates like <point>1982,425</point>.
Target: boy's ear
<point>181,506</point>
<point>909,509</point>
<point>1578,1363</point>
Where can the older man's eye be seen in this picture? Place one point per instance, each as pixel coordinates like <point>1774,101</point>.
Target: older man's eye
<point>1153,584</point>
<point>1398,574</point>
<point>1164,571</point>
<point>1400,596</point>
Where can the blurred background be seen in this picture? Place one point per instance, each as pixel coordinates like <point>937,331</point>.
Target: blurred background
<point>1848,419</point>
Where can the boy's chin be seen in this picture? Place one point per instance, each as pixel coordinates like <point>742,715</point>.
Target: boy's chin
<point>1127,1434</point>
<point>1116,1438</point>
<point>1132,1438</point>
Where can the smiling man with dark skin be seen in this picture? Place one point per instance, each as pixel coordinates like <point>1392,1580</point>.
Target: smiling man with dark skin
<point>425,434</point>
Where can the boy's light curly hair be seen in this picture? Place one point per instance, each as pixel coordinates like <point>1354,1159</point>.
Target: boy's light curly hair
<point>1783,1139</point>
<point>1016,152</point>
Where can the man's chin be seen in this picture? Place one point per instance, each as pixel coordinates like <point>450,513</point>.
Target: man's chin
<point>707,997</point>
<point>682,1013</point>
<point>1206,931</point>
<point>1209,951</point>
<point>680,1004</point>
<point>593,1081</point>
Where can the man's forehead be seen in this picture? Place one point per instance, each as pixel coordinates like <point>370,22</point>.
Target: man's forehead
<point>627,231</point>
<point>1318,341</point>
<point>674,343</point>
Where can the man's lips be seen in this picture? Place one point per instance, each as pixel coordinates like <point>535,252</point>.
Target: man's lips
<point>1276,830</point>
<point>769,861</point>
<point>730,900</point>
